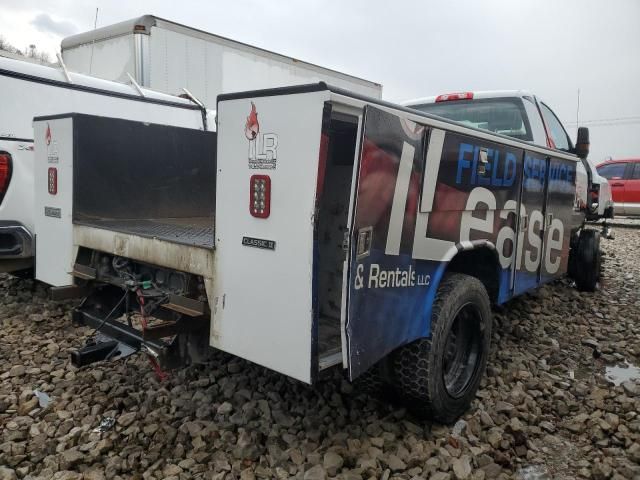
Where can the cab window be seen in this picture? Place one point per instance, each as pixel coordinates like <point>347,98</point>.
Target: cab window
<point>499,115</point>
<point>612,170</point>
<point>556,130</point>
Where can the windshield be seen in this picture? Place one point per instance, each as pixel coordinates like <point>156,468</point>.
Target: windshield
<point>498,115</point>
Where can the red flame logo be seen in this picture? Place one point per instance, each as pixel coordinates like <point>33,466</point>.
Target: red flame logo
<point>47,135</point>
<point>252,127</point>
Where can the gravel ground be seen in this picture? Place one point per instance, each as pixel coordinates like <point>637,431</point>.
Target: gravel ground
<point>627,222</point>
<point>545,409</point>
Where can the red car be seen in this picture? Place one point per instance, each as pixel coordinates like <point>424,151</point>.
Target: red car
<point>624,179</point>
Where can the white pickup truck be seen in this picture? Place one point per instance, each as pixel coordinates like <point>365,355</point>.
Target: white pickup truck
<point>522,115</point>
<point>28,90</point>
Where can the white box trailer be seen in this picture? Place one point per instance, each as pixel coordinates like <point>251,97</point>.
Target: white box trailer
<point>348,231</point>
<point>167,57</point>
<point>28,90</point>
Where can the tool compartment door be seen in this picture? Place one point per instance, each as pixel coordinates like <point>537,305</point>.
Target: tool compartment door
<point>385,297</point>
<point>532,222</point>
<point>562,217</point>
<point>263,305</point>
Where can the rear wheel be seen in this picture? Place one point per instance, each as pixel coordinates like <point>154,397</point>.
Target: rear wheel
<point>587,261</point>
<point>438,377</point>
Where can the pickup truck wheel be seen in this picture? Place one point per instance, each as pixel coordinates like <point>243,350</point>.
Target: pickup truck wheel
<point>588,260</point>
<point>438,377</point>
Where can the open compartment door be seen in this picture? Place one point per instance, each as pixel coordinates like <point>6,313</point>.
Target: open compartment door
<point>263,307</point>
<point>386,289</point>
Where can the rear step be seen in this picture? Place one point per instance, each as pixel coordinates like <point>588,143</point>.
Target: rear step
<point>330,358</point>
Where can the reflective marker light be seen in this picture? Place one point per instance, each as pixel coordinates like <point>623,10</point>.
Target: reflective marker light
<point>454,96</point>
<point>260,196</point>
<point>53,181</point>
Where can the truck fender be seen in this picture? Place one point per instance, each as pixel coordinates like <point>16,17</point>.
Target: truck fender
<point>463,257</point>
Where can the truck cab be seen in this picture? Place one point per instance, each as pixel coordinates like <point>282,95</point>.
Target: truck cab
<point>522,115</point>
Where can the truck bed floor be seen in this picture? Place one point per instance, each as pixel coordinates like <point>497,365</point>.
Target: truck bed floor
<point>194,231</point>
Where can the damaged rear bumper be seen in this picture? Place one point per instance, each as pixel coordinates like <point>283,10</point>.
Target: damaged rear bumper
<point>114,340</point>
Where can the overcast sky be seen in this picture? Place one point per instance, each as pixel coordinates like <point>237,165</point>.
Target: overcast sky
<point>415,48</point>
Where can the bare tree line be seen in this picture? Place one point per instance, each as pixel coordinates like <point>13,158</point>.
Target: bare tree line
<point>30,52</point>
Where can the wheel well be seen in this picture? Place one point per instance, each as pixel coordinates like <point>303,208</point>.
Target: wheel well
<point>481,263</point>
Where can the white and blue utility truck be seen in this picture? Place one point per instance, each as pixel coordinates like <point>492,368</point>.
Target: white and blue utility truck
<point>316,228</point>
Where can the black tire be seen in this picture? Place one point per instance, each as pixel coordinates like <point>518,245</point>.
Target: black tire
<point>588,259</point>
<point>370,382</point>
<point>438,377</point>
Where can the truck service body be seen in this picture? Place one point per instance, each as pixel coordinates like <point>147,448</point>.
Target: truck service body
<point>167,56</point>
<point>28,90</point>
<point>347,231</point>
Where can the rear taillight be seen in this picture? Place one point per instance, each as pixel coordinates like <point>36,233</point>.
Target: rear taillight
<point>5,173</point>
<point>52,181</point>
<point>260,196</point>
<point>447,97</point>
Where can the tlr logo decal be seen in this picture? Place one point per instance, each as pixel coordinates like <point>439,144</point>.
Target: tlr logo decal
<point>263,148</point>
<point>52,147</point>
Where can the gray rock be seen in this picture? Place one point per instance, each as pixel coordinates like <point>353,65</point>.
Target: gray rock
<point>601,471</point>
<point>127,419</point>
<point>395,463</point>
<point>590,342</point>
<point>332,463</point>
<point>315,473</point>
<point>171,469</point>
<point>94,474</point>
<point>17,371</point>
<point>70,458</point>
<point>440,476</point>
<point>634,452</point>
<point>7,474</point>
<point>631,388</point>
<point>492,470</point>
<point>462,467</point>
<point>225,408</point>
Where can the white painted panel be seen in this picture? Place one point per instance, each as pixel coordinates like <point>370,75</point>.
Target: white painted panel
<point>174,62</point>
<point>263,298</point>
<point>246,71</point>
<point>208,68</point>
<point>196,51</point>
<point>213,73</point>
<point>54,243</point>
<point>110,59</point>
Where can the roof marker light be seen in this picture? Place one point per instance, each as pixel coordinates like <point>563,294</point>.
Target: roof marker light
<point>454,96</point>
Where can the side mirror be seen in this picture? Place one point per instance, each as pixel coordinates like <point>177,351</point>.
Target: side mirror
<point>582,142</point>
